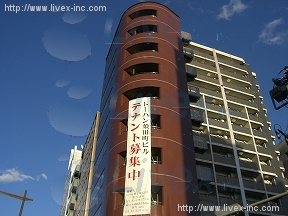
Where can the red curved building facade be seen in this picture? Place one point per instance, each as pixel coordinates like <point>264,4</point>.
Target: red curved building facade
<point>146,60</point>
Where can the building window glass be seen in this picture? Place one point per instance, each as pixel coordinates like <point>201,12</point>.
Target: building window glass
<point>143,28</point>
<point>143,68</point>
<point>149,91</point>
<point>143,47</point>
<point>156,195</point>
<point>155,121</point>
<point>145,12</point>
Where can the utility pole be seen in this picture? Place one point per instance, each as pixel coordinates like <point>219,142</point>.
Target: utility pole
<point>23,198</point>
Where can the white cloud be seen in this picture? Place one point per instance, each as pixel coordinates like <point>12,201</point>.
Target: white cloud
<point>234,7</point>
<point>270,35</point>
<point>108,26</point>
<point>44,176</point>
<point>13,175</point>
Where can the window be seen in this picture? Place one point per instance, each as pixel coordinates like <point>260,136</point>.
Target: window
<point>146,12</point>
<point>156,155</point>
<point>143,28</point>
<point>143,68</point>
<point>152,92</point>
<point>143,47</point>
<point>155,121</point>
<point>156,195</point>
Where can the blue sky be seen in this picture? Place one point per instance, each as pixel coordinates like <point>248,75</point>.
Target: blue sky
<point>52,66</point>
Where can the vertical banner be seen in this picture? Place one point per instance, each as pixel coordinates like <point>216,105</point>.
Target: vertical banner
<point>138,159</point>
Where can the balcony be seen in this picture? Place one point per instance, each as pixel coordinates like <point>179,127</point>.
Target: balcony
<point>267,168</point>
<point>200,141</point>
<point>191,72</point>
<point>205,156</point>
<point>224,160</point>
<point>227,201</point>
<point>196,116</point>
<point>236,113</point>
<point>204,173</point>
<point>194,93</point>
<point>245,146</point>
<point>255,118</point>
<point>203,65</point>
<point>253,185</point>
<point>272,188</point>
<point>217,108</point>
<point>227,180</point>
<point>259,133</point>
<point>211,92</point>
<point>263,150</point>
<point>249,165</point>
<point>241,101</point>
<point>204,55</point>
<point>239,89</point>
<point>241,129</point>
<point>208,198</point>
<point>219,140</point>
<point>230,62</point>
<point>188,54</point>
<point>203,78</point>
<point>218,124</point>
<point>235,75</point>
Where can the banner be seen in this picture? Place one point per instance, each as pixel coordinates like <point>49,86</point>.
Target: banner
<point>138,159</point>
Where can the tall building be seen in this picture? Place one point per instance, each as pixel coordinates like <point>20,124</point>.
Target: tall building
<point>145,61</point>
<point>191,114</point>
<point>71,183</point>
<point>232,136</point>
<point>86,171</point>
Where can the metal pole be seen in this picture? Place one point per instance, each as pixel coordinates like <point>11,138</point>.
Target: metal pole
<point>258,203</point>
<point>23,201</point>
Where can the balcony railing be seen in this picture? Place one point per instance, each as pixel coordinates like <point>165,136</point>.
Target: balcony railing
<point>203,55</point>
<point>267,168</point>
<point>253,185</point>
<point>211,92</point>
<point>263,150</point>
<point>238,76</point>
<point>224,160</point>
<point>245,146</point>
<point>207,198</point>
<point>227,180</point>
<point>249,165</point>
<point>259,134</point>
<point>240,66</point>
<point>240,89</point>
<point>194,93</point>
<point>255,118</point>
<point>219,140</point>
<point>203,65</point>
<point>241,101</point>
<point>241,129</point>
<point>206,156</point>
<point>272,188</point>
<point>207,79</point>
<point>217,123</point>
